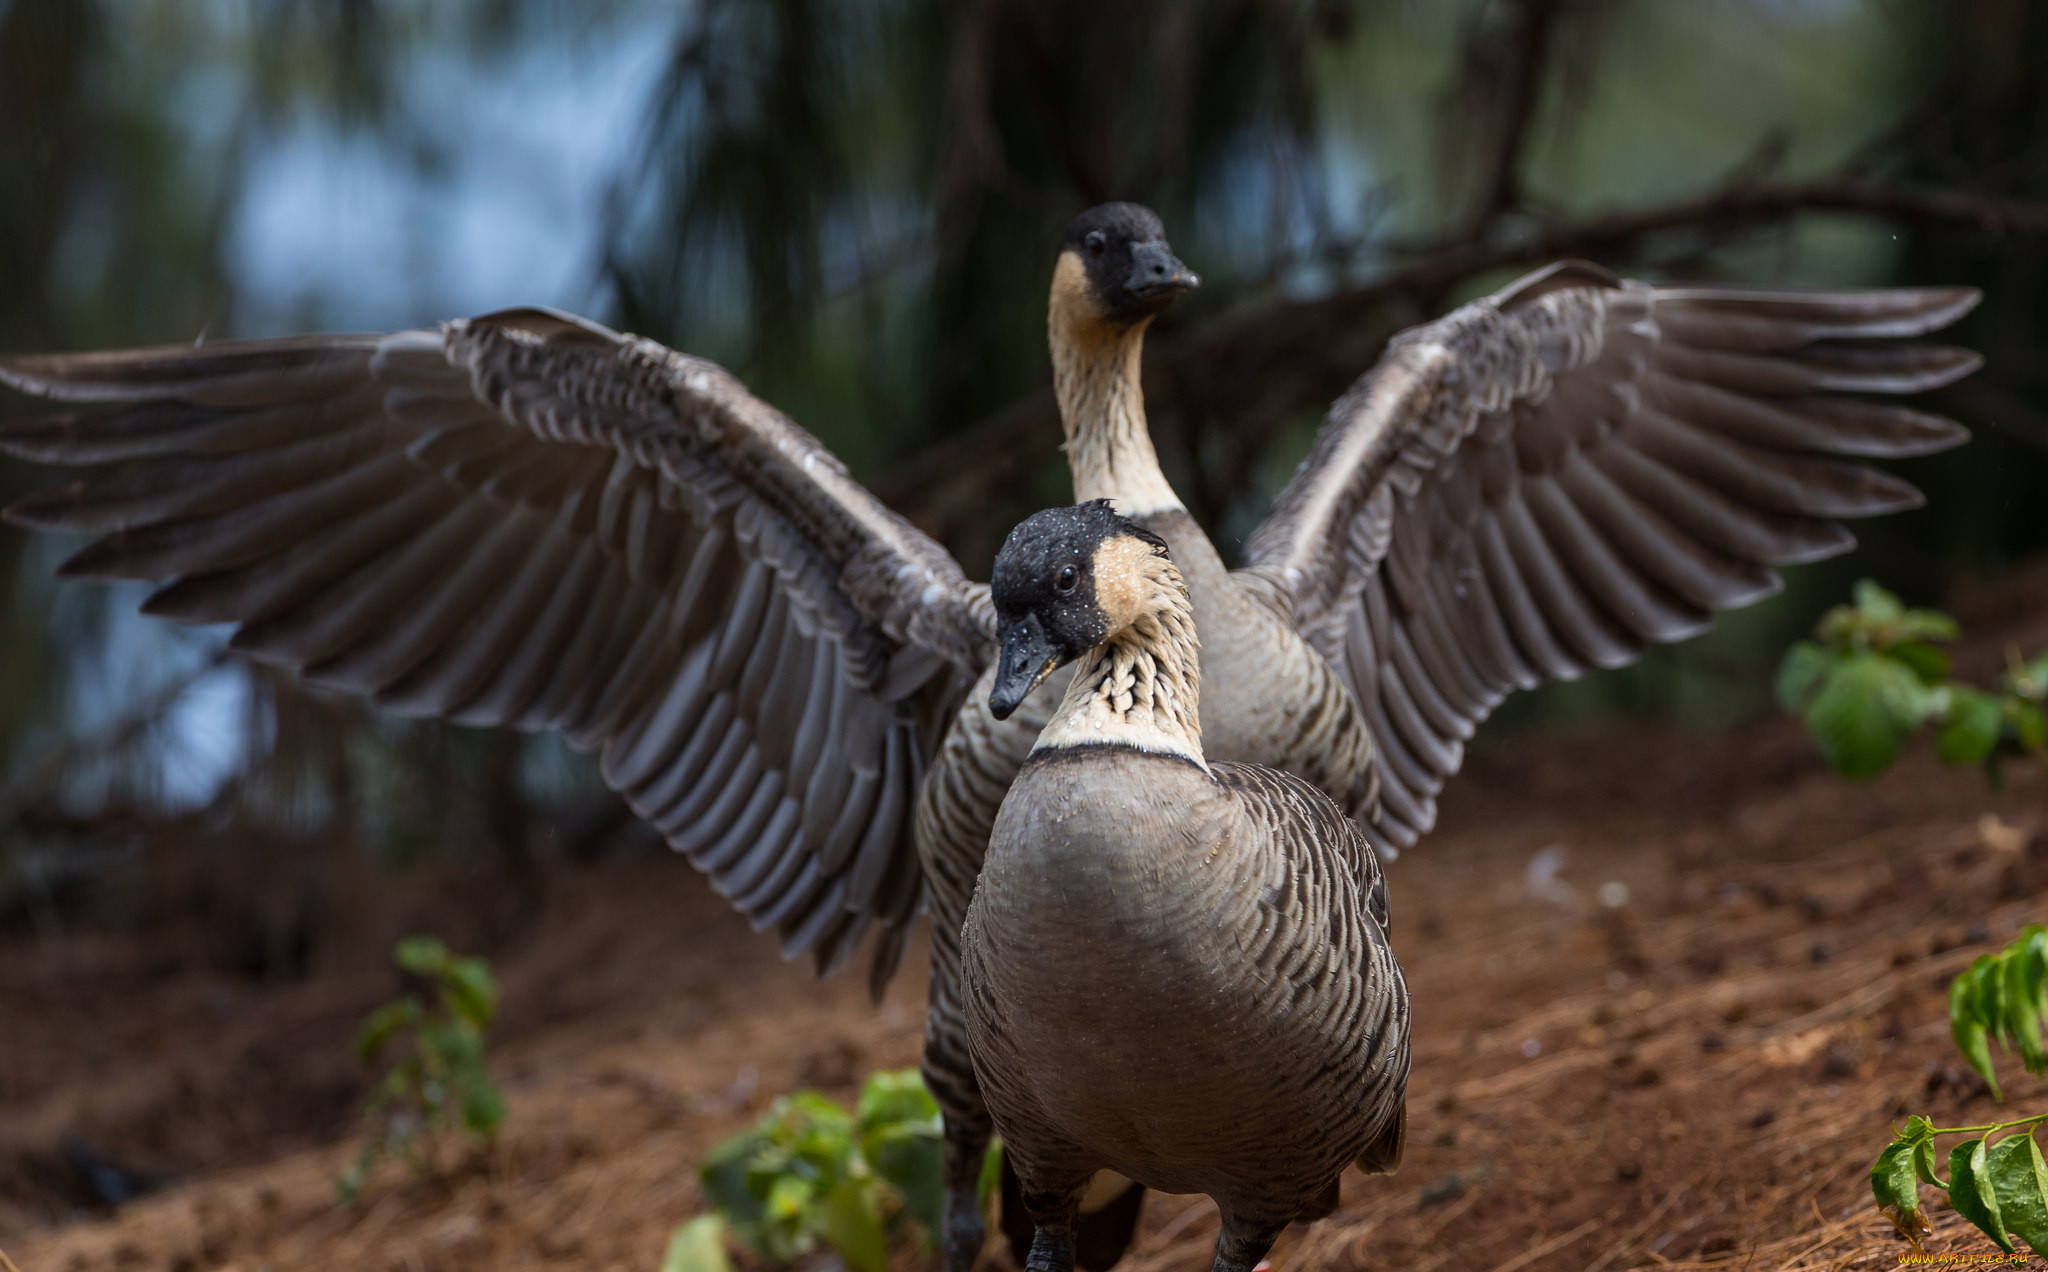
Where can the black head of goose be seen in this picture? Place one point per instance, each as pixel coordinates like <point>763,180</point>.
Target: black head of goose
<point>1173,968</point>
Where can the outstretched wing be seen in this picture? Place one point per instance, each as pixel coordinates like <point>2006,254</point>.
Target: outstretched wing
<point>1554,477</point>
<point>525,519</point>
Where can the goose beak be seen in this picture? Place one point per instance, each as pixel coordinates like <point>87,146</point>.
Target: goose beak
<point>1156,273</point>
<point>1026,660</point>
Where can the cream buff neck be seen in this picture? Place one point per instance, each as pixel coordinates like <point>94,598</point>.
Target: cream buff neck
<point>1142,687</point>
<point>1095,374</point>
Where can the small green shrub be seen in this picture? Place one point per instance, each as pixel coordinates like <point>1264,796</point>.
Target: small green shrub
<point>1999,1185</point>
<point>811,1172</point>
<point>438,1082</point>
<point>1874,674</point>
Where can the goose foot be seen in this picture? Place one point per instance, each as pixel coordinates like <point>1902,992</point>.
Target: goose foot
<point>1052,1250</point>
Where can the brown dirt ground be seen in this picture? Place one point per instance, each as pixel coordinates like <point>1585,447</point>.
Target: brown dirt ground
<point>1698,1077</point>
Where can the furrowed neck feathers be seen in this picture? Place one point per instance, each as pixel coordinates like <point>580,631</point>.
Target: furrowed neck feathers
<point>1095,374</point>
<point>1142,687</point>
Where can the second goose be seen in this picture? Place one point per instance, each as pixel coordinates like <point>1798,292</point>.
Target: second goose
<point>1172,968</point>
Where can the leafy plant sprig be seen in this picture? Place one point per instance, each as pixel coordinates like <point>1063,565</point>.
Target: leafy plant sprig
<point>439,1082</point>
<point>2001,996</point>
<point>1873,675</point>
<point>809,1171</point>
<point>2000,1186</point>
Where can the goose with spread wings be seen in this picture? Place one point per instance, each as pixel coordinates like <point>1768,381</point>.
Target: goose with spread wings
<point>525,519</point>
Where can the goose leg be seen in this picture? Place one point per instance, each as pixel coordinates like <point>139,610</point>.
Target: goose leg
<point>1052,1250</point>
<point>949,1076</point>
<point>1241,1244</point>
<point>966,1147</point>
<point>1055,1212</point>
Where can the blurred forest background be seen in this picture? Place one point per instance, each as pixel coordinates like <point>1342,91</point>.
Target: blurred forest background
<point>853,203</point>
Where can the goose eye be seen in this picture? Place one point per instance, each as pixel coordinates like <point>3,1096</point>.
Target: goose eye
<point>1068,577</point>
<point>1096,242</point>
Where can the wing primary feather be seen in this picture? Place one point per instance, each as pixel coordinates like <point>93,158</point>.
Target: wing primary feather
<point>657,793</point>
<point>723,797</point>
<point>368,598</point>
<point>833,776</point>
<point>767,866</point>
<point>1716,521</point>
<point>1893,313</point>
<point>825,909</point>
<point>515,695</point>
<point>392,632</point>
<point>1703,579</point>
<point>883,838</point>
<point>1589,635</point>
<point>1830,366</point>
<point>563,699</point>
<point>230,373</point>
<point>287,489</point>
<point>852,823</point>
<point>1640,608</point>
<point>742,622</point>
<point>458,670</point>
<point>1467,581</point>
<point>773,907</point>
<point>785,697</point>
<point>1439,753</point>
<point>268,587</point>
<point>1804,424</point>
<point>1460,686</point>
<point>763,661</point>
<point>1533,637</point>
<point>742,841</point>
<point>814,700</point>
<point>1438,716</point>
<point>1800,485</point>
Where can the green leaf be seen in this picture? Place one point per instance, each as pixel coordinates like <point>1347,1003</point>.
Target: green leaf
<point>1989,989</point>
<point>1799,674</point>
<point>421,955</point>
<point>2019,1180</point>
<point>902,1140</point>
<point>1923,1164</point>
<point>697,1246</point>
<point>1970,1191</point>
<point>895,1095</point>
<point>382,1025</point>
<point>1927,624</point>
<point>724,1175</point>
<point>853,1226</point>
<point>1970,730</point>
<point>1891,1179</point>
<point>1876,605</point>
<point>2022,1009</point>
<point>1926,662</point>
<point>1967,1026</point>
<point>1863,713</point>
<point>483,1109</point>
<point>2029,725</point>
<point>912,1159</point>
<point>469,991</point>
<point>788,1196</point>
<point>2037,676</point>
